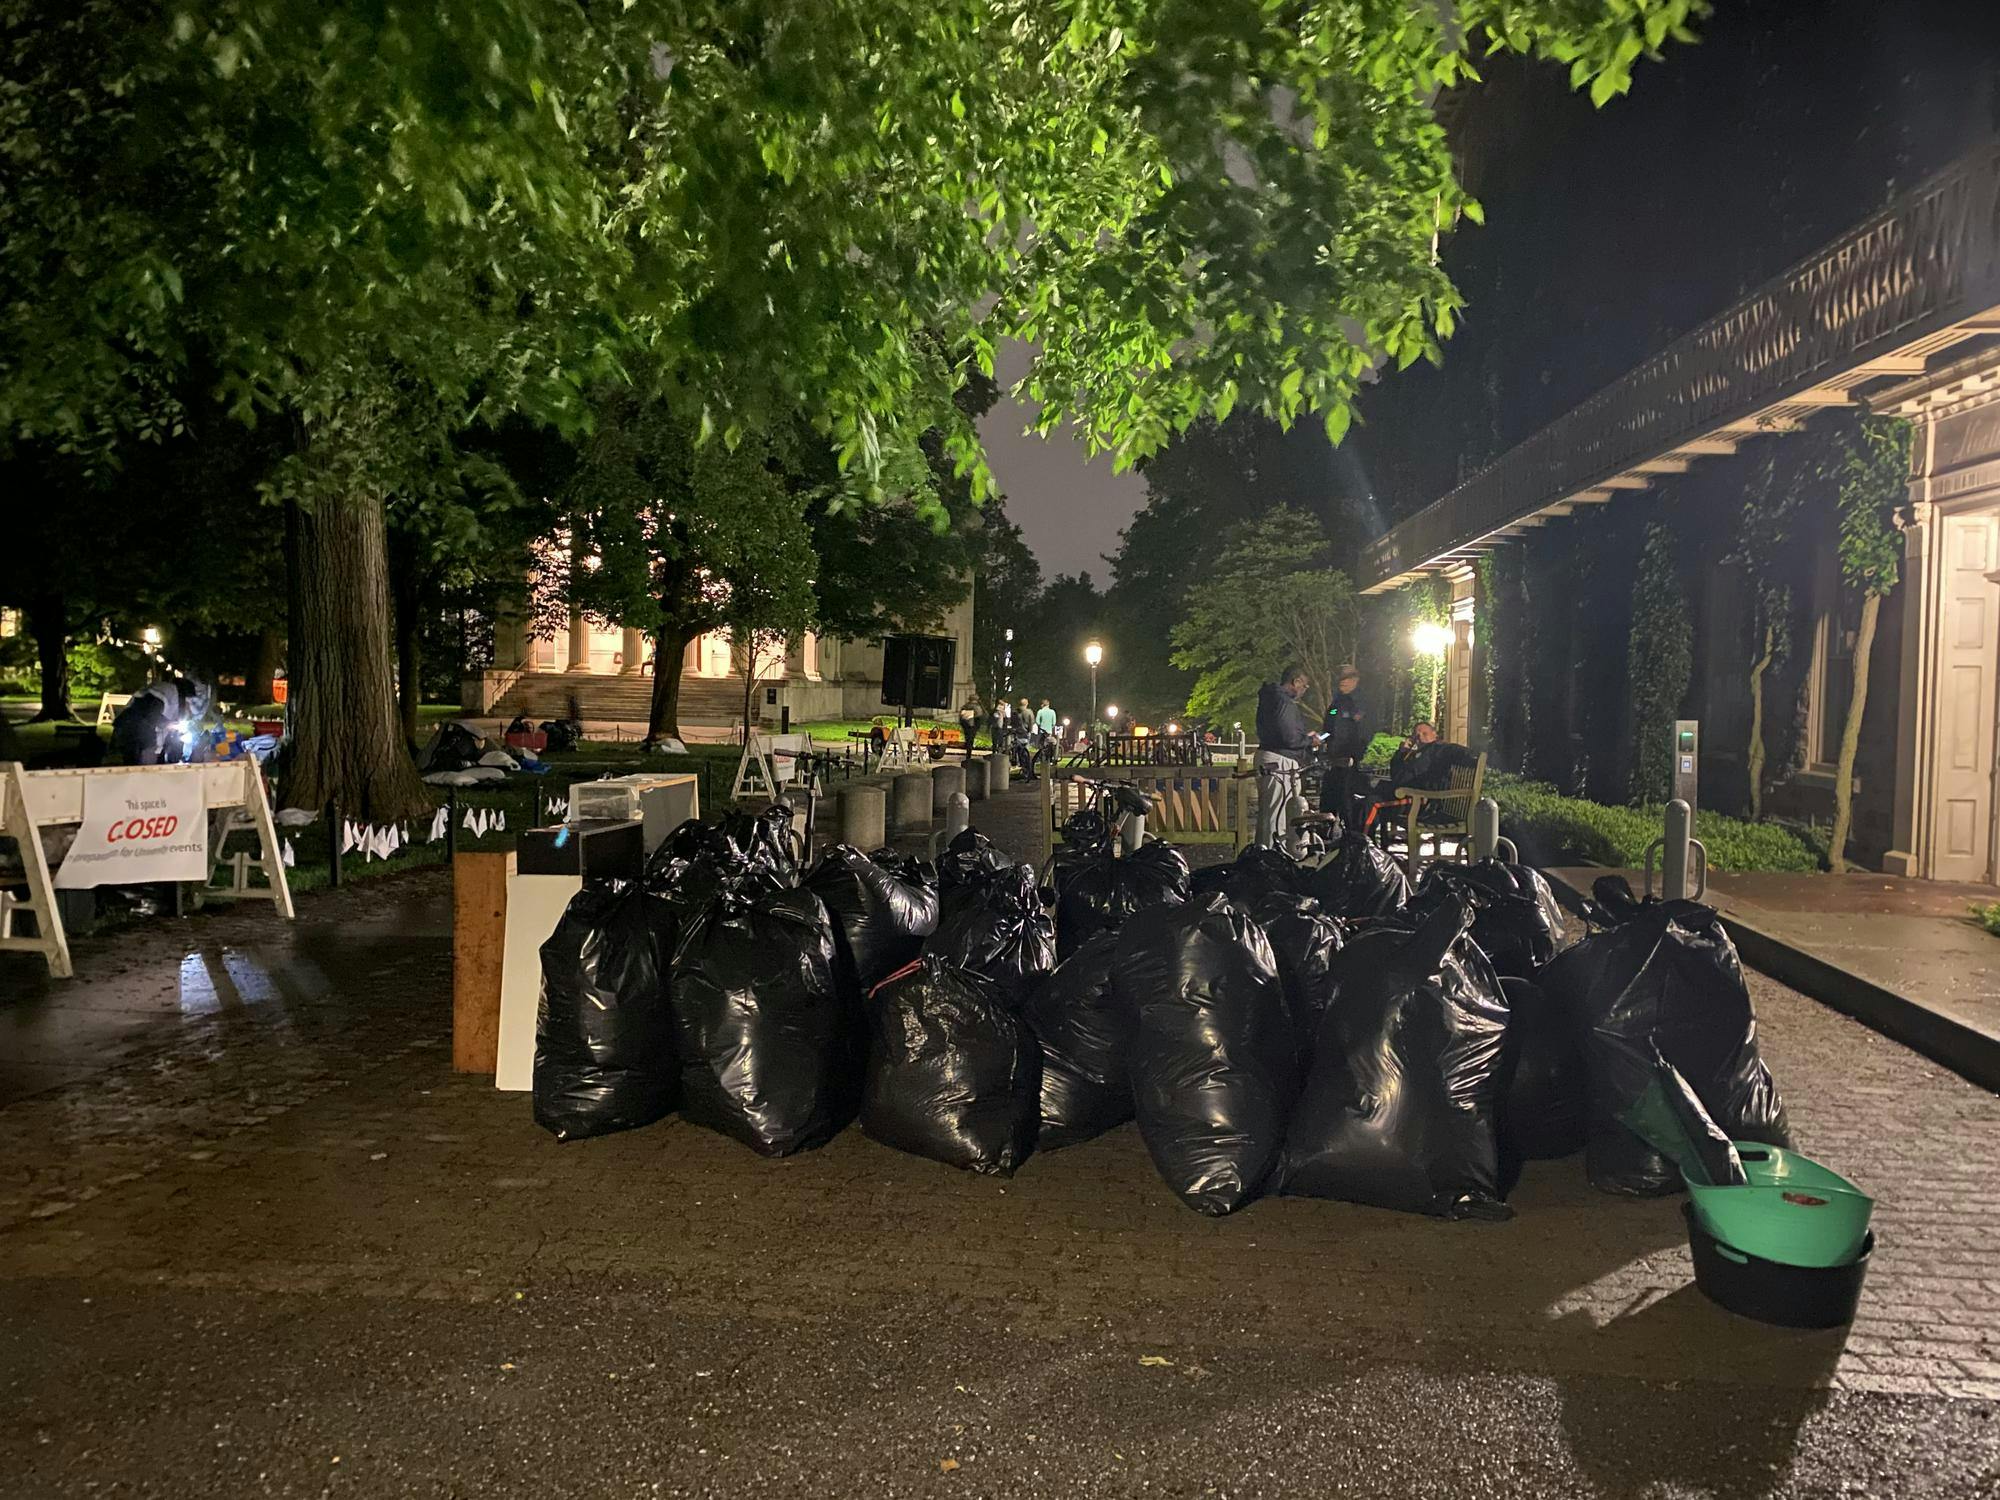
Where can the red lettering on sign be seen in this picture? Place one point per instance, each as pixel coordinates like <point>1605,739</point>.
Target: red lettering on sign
<point>130,829</point>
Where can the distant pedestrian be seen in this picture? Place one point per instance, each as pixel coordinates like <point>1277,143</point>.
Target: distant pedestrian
<point>968,722</point>
<point>1045,720</point>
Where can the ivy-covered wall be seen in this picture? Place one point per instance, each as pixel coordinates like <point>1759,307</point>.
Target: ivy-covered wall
<point>1591,642</point>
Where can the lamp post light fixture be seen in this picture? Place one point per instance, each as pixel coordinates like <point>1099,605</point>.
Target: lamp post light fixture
<point>1093,654</point>
<point>1432,639</point>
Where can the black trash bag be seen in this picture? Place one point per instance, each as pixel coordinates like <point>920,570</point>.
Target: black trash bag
<point>1360,881</point>
<point>970,859</point>
<point>1304,940</point>
<point>769,1050</point>
<point>1516,920</point>
<point>762,840</point>
<point>564,734</point>
<point>1666,978</point>
<point>1209,878</point>
<point>997,929</point>
<point>953,1073</point>
<point>604,1033</point>
<point>1214,1064</point>
<point>1102,893</point>
<point>1665,1114</point>
<point>909,867</point>
<point>1546,1104</point>
<point>880,917</point>
<point>1086,1040</point>
<point>1259,872</point>
<point>1399,1107</point>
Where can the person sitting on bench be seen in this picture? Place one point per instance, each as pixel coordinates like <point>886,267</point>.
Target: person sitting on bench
<point>1422,761</point>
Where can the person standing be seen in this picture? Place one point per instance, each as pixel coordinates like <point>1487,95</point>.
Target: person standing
<point>1045,720</point>
<point>1345,746</point>
<point>1284,743</point>
<point>968,723</point>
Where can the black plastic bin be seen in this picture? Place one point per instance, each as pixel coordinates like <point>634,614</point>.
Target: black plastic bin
<point>1789,1296</point>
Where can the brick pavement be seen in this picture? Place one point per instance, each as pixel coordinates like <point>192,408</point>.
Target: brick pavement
<point>314,1145</point>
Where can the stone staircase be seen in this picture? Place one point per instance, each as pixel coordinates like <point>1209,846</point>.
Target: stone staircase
<point>545,695</point>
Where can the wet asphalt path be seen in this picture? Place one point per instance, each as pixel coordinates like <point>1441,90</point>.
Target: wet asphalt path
<point>256,1239</point>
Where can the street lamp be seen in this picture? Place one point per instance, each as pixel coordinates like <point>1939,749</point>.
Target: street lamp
<point>1432,639</point>
<point>1093,654</point>
<point>1111,712</point>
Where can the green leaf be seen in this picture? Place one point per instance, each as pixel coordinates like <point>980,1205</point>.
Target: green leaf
<point>1337,420</point>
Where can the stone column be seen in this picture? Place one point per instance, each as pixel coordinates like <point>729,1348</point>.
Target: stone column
<point>579,642</point>
<point>634,652</point>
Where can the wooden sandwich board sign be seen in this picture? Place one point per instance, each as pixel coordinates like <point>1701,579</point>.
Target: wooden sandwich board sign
<point>133,825</point>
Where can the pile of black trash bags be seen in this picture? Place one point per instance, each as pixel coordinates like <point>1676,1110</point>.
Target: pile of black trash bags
<point>1273,1027</point>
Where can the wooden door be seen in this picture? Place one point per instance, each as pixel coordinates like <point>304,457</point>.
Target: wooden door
<point>1968,642</point>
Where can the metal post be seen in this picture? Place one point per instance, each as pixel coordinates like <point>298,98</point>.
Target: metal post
<point>451,826</point>
<point>1674,858</point>
<point>333,844</point>
<point>1485,828</point>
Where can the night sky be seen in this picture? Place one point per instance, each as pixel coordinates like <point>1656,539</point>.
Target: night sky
<point>1070,509</point>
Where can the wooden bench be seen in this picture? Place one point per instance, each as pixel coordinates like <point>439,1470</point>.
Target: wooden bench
<point>1467,784</point>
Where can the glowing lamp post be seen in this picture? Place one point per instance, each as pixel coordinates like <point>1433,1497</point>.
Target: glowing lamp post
<point>1434,640</point>
<point>1093,654</point>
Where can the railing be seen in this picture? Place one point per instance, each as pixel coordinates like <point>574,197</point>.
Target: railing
<point>1927,261</point>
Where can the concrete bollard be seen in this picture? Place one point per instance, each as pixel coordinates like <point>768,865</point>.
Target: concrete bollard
<point>910,803</point>
<point>947,778</point>
<point>978,779</point>
<point>998,769</point>
<point>863,819</point>
<point>957,816</point>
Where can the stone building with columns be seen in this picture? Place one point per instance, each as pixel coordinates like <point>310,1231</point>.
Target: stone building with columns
<point>607,671</point>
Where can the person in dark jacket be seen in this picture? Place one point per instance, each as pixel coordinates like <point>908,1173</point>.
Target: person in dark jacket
<point>1285,741</point>
<point>1342,782</point>
<point>1422,761</point>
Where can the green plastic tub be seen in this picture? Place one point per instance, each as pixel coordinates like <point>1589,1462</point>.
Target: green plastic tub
<point>1792,1211</point>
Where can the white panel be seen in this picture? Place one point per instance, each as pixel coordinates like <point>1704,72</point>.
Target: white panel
<point>1968,625</point>
<point>1962,718</point>
<point>1961,828</point>
<point>1972,547</point>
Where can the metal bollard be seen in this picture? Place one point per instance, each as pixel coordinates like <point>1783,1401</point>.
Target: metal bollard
<point>333,844</point>
<point>1296,808</point>
<point>1683,858</point>
<point>1485,828</point>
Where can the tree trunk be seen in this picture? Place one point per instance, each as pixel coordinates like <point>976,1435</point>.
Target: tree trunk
<point>663,718</point>
<point>1755,756</point>
<point>406,587</point>
<point>48,622</point>
<point>264,667</point>
<point>1850,735</point>
<point>341,738</point>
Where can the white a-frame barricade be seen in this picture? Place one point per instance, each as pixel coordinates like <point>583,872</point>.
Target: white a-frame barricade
<point>33,800</point>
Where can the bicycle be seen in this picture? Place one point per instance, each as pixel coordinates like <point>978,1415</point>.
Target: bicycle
<point>1095,830</point>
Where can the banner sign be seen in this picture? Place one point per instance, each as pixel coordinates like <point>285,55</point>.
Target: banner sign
<point>137,828</point>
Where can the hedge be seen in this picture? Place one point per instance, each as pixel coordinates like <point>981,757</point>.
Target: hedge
<point>1550,828</point>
